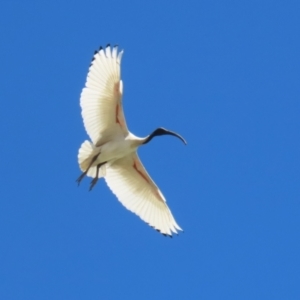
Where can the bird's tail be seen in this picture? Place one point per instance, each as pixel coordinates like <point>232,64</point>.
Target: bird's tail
<point>85,157</point>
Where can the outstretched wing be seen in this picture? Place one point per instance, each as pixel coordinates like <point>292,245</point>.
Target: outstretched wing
<point>101,98</point>
<point>134,188</point>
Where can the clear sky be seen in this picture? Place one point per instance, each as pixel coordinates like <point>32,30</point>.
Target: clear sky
<point>225,75</point>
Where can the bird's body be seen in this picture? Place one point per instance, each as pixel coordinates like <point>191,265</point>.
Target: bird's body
<point>112,152</point>
<point>115,148</point>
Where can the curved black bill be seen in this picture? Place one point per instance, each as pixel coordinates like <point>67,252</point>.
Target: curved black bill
<point>163,131</point>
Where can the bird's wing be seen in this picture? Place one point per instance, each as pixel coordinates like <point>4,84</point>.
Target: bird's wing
<point>134,188</point>
<point>101,98</point>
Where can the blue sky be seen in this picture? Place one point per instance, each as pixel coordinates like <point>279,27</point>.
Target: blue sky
<point>225,75</point>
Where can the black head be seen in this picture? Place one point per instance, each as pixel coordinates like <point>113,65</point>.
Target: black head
<point>163,131</point>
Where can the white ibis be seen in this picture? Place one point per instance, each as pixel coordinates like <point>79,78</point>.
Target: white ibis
<point>112,152</point>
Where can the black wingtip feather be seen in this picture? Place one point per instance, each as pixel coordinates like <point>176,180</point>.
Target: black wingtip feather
<point>108,45</point>
<point>93,58</point>
<point>164,234</point>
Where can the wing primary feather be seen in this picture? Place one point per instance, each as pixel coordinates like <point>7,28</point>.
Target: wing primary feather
<point>165,225</point>
<point>147,210</point>
<point>120,57</point>
<point>143,211</point>
<point>108,52</point>
<point>150,213</point>
<point>160,223</point>
<point>114,53</point>
<point>93,58</point>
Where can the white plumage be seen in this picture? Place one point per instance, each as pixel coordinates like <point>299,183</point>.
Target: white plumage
<point>112,152</point>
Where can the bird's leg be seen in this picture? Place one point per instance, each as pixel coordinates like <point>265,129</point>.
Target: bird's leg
<point>95,180</point>
<point>78,180</point>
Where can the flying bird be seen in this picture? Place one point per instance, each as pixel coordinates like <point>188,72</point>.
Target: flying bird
<point>112,152</point>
